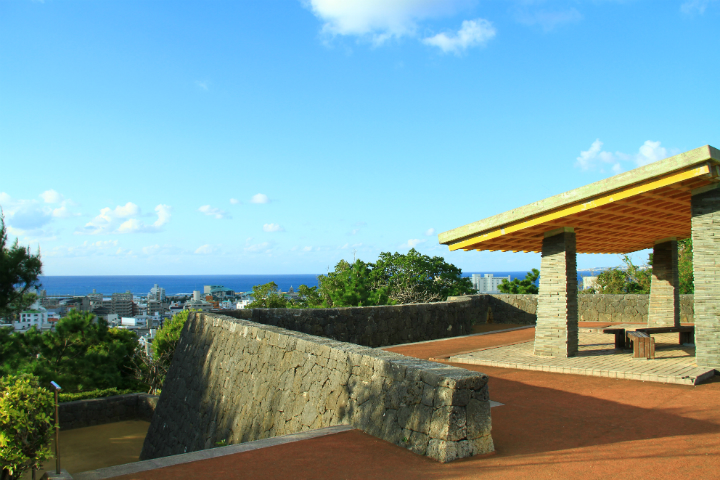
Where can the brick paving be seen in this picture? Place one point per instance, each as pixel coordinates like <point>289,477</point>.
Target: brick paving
<point>597,357</point>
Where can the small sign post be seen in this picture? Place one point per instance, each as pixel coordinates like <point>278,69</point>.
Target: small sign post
<point>57,429</point>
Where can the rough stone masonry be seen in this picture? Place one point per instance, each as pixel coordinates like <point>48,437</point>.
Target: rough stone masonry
<point>235,381</point>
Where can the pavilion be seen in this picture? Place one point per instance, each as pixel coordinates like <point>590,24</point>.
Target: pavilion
<point>648,207</point>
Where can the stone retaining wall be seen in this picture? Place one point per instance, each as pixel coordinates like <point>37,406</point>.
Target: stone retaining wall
<point>522,309</point>
<point>370,326</point>
<point>97,411</point>
<point>235,381</point>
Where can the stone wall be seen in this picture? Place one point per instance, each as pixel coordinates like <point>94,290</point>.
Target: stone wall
<point>236,381</point>
<point>522,309</point>
<point>371,326</point>
<point>97,411</point>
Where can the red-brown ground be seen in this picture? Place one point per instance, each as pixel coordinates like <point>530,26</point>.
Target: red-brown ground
<point>551,426</point>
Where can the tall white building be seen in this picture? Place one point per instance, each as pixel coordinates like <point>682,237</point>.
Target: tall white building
<point>157,294</point>
<point>487,283</point>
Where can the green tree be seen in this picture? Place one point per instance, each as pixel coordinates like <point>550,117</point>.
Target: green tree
<point>418,278</point>
<point>80,354</point>
<point>25,424</point>
<point>308,297</point>
<point>268,296</point>
<point>631,279</point>
<point>685,266</point>
<point>19,271</point>
<point>11,351</point>
<point>167,337</point>
<point>525,286</point>
<point>352,285</point>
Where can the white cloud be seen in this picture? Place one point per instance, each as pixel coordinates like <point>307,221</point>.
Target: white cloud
<point>151,250</point>
<point>691,7</point>
<point>258,247</point>
<point>214,212</point>
<point>260,198</point>
<point>596,158</point>
<point>202,85</point>
<point>379,20</point>
<point>30,217</point>
<point>163,213</point>
<point>124,219</point>
<point>548,20</point>
<point>205,250</point>
<point>87,249</point>
<point>51,196</point>
<point>234,201</point>
<point>307,249</point>
<point>429,231</point>
<point>412,243</point>
<point>273,227</point>
<point>472,33</point>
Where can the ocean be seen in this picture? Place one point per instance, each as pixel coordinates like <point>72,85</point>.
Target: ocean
<point>185,284</point>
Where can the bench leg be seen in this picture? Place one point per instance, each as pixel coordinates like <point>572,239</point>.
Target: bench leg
<point>620,340</point>
<point>636,347</point>
<point>686,337</point>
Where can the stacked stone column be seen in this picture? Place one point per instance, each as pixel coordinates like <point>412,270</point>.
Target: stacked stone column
<point>664,306</point>
<point>556,332</point>
<point>706,270</point>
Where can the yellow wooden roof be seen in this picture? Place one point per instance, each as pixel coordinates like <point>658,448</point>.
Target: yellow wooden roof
<point>624,213</point>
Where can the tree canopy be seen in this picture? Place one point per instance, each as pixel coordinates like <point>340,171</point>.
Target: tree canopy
<point>267,296</point>
<point>19,272</point>
<point>633,279</point>
<point>525,286</point>
<point>80,354</point>
<point>394,279</point>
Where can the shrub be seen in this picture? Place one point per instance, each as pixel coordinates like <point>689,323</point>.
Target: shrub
<point>167,337</point>
<point>107,392</point>
<point>26,424</point>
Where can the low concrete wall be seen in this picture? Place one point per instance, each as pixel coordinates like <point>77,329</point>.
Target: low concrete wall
<point>371,326</point>
<point>233,380</point>
<point>97,411</point>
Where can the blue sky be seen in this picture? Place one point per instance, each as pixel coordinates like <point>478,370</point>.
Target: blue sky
<point>224,137</point>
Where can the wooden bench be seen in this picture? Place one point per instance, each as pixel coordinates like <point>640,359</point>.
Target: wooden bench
<point>619,337</point>
<point>643,344</point>
<point>686,334</point>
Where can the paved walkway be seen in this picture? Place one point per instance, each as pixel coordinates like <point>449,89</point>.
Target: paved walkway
<point>550,426</point>
<point>597,357</point>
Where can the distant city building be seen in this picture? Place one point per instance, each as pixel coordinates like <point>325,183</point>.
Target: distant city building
<point>154,307</point>
<point>175,307</point>
<point>157,294</point>
<point>35,316</point>
<point>134,322</point>
<point>487,283</point>
<point>198,303</point>
<point>243,303</point>
<point>96,300</point>
<point>218,291</point>
<point>122,304</point>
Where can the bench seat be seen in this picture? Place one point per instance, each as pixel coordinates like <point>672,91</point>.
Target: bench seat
<point>686,333</point>
<point>619,337</point>
<point>643,344</point>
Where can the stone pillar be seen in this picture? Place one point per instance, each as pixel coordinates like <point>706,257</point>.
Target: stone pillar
<point>664,306</point>
<point>556,332</point>
<point>706,270</point>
